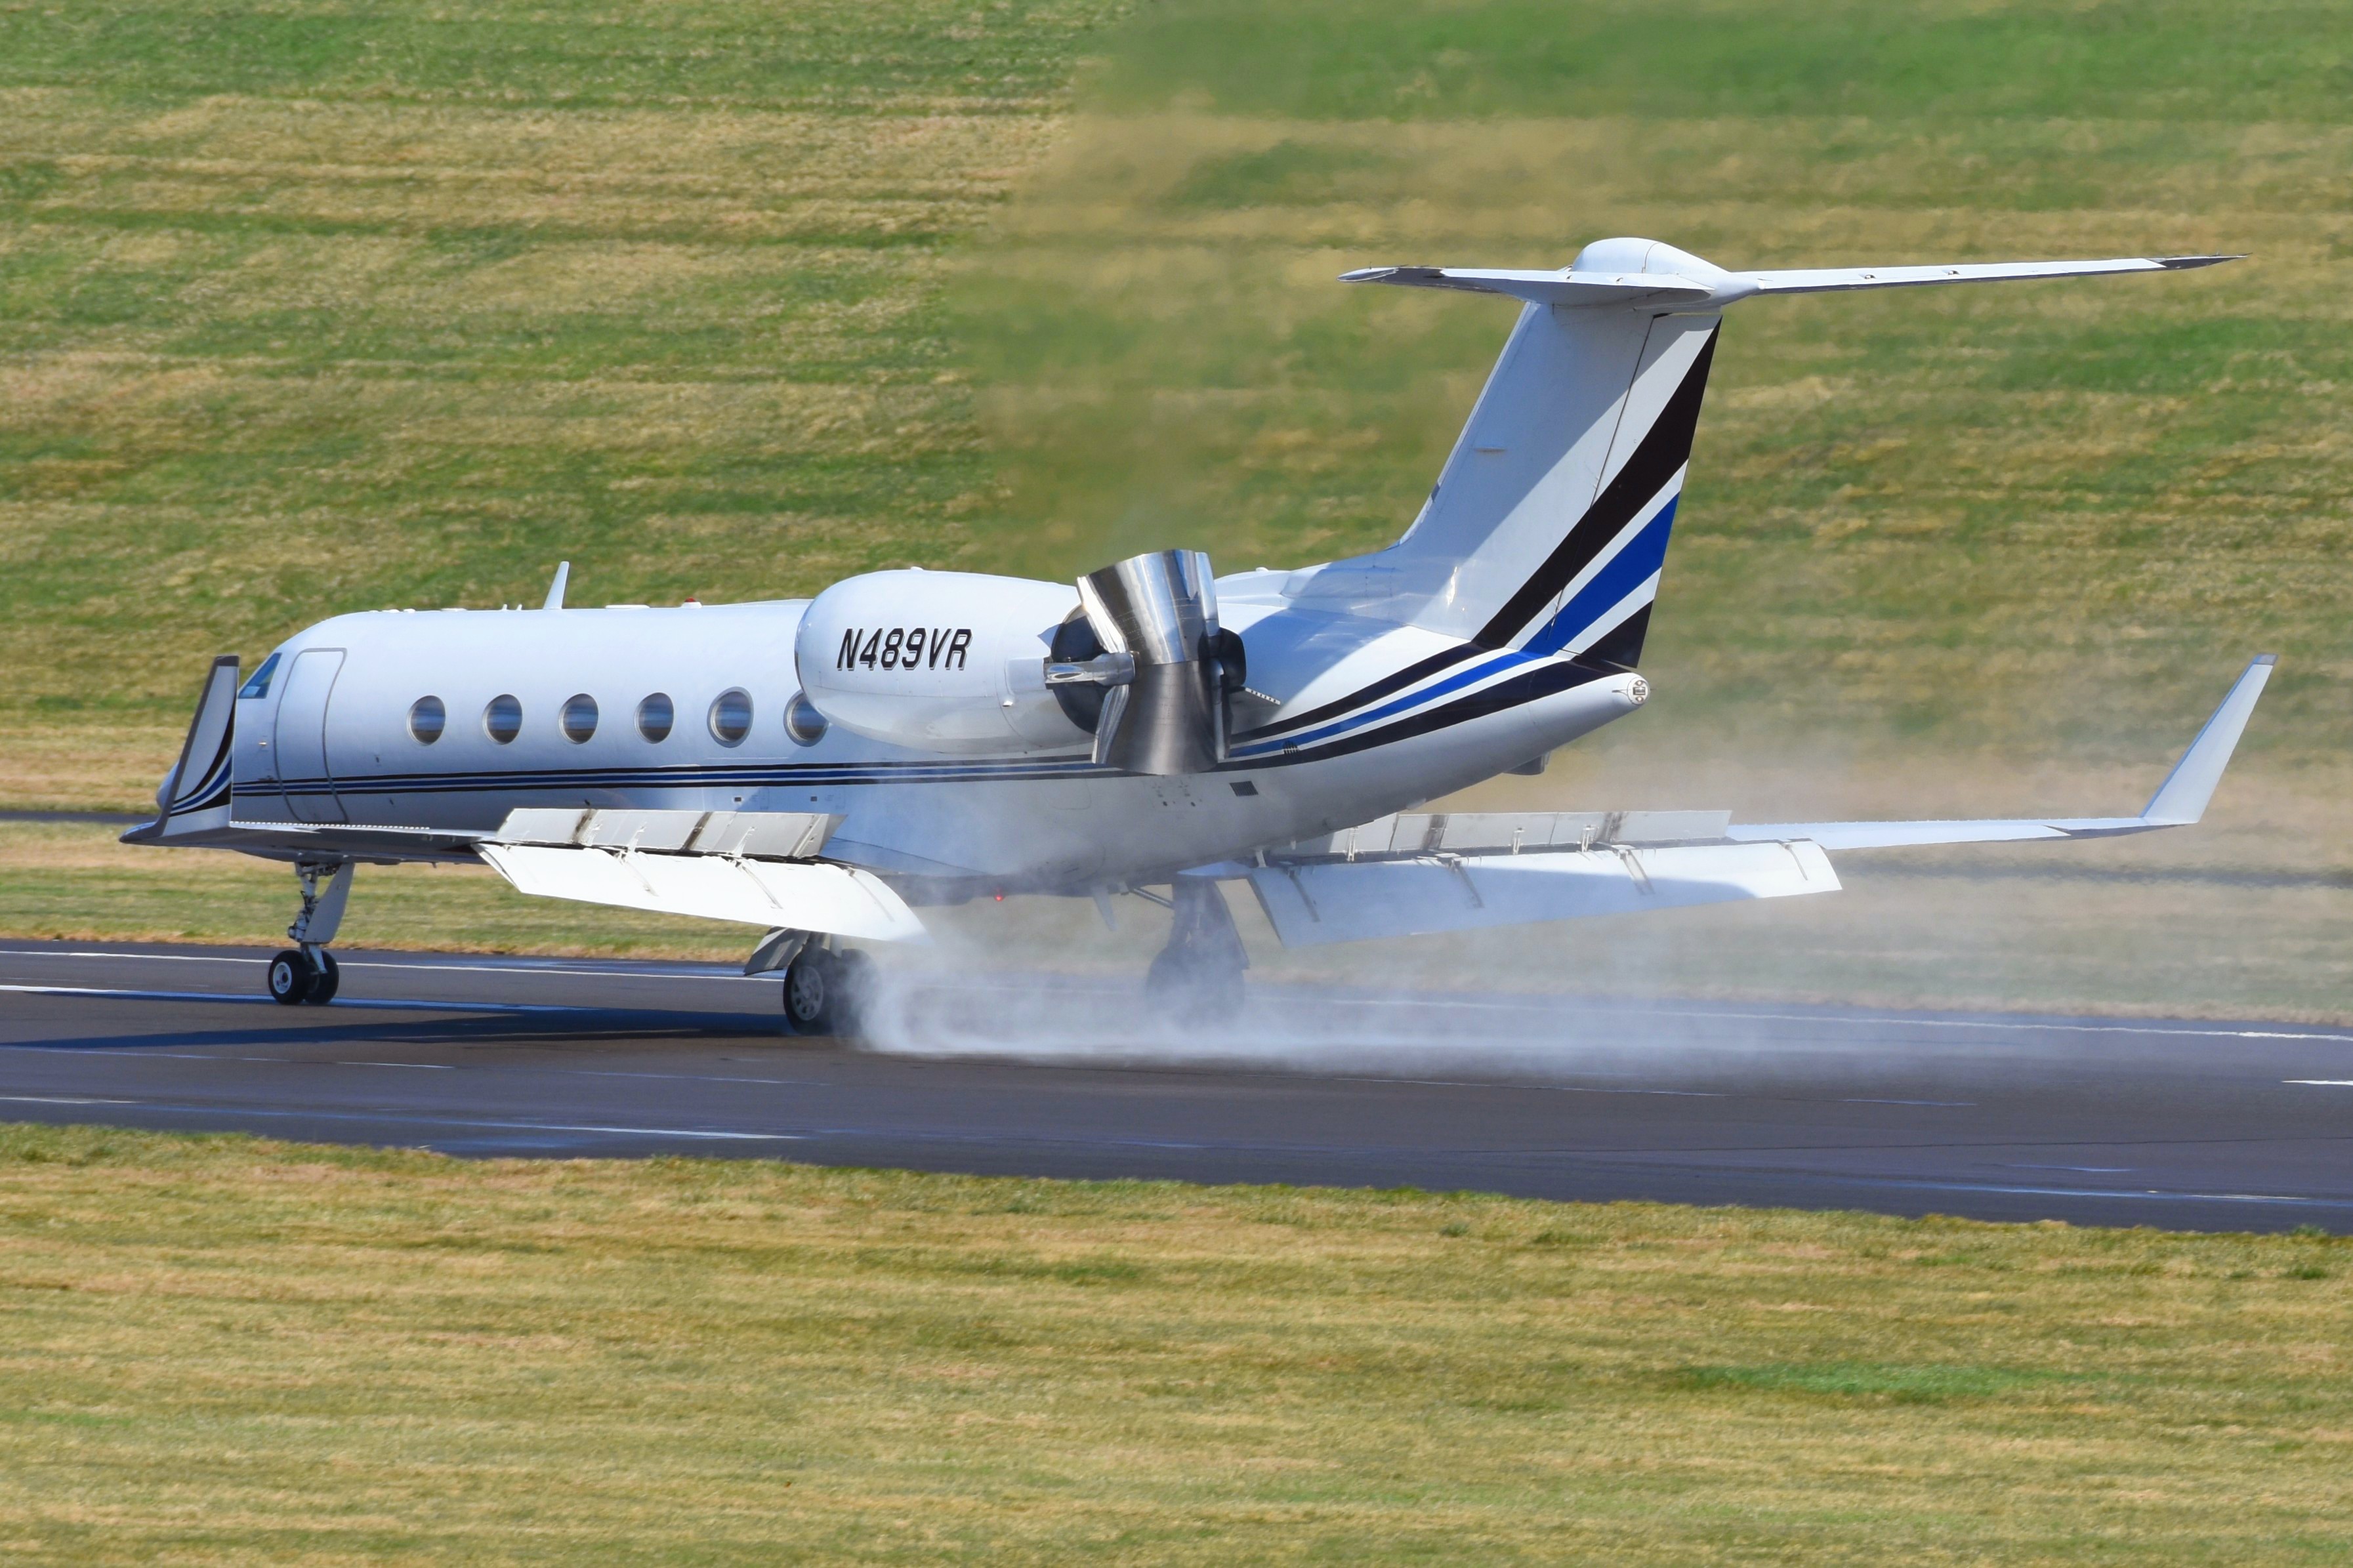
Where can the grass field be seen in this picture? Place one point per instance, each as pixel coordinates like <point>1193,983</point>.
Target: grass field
<point>219,1350</point>
<point>306,309</point>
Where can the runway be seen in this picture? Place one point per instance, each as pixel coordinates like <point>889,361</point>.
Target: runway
<point>2110,1121</point>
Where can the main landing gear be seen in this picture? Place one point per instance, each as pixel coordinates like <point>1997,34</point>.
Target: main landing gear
<point>1197,978</point>
<point>827,990</point>
<point>307,972</point>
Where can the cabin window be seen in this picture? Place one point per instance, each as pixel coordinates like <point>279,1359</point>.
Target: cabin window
<point>427,719</point>
<point>579,718</point>
<point>803,723</point>
<point>655,716</point>
<point>259,685</point>
<point>502,719</point>
<point>731,716</point>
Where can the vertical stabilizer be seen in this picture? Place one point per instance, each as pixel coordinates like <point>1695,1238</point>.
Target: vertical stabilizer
<point>1548,524</point>
<point>1547,529</point>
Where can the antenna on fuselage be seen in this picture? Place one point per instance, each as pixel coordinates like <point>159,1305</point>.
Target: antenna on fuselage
<point>555,589</point>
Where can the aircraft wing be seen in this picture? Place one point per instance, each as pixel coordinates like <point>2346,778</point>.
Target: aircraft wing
<point>1421,873</point>
<point>751,867</point>
<point>2180,801</point>
<point>1311,903</point>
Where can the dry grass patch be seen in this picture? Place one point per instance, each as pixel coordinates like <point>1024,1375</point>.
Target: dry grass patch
<point>221,1350</point>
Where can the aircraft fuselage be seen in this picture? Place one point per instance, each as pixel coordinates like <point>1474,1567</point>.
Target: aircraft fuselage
<point>1348,718</point>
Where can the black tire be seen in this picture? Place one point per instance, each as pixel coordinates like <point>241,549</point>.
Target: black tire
<point>857,989</point>
<point>291,976</point>
<point>331,976</point>
<point>1190,991</point>
<point>812,992</point>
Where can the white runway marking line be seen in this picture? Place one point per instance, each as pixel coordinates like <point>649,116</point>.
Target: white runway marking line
<point>691,1078</point>
<point>2082,1029</point>
<point>166,1108</point>
<point>418,1067</point>
<point>2321,1082</point>
<point>2079,1170</point>
<point>346,1003</point>
<point>61,1100</point>
<point>516,966</point>
<point>1944,1104</point>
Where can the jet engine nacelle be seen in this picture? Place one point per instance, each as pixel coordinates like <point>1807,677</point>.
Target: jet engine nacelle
<point>941,661</point>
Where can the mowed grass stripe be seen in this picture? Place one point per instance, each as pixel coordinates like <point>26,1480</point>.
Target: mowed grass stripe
<point>222,1349</point>
<point>309,310</point>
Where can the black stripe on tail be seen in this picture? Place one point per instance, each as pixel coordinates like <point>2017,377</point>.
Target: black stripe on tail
<point>1666,446</point>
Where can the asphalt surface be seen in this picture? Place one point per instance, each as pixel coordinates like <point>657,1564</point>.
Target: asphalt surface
<point>2109,1121</point>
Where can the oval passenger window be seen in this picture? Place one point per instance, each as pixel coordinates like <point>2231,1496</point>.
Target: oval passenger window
<point>731,716</point>
<point>803,723</point>
<point>579,718</point>
<point>502,719</point>
<point>655,717</point>
<point>427,719</point>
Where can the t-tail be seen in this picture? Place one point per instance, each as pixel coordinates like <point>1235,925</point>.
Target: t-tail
<point>1547,529</point>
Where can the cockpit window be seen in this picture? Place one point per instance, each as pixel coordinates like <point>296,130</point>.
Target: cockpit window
<point>259,684</point>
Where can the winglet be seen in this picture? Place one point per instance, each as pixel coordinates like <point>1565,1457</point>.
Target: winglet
<point>555,589</point>
<point>2181,799</point>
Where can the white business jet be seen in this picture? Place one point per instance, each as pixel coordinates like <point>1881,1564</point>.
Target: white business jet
<point>823,769</point>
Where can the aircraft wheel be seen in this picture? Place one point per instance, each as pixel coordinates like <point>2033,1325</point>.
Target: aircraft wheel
<point>858,987</point>
<point>291,976</point>
<point>1193,990</point>
<point>329,976</point>
<point>812,992</point>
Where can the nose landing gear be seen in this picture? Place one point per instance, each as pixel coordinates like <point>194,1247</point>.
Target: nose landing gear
<point>300,975</point>
<point>307,974</point>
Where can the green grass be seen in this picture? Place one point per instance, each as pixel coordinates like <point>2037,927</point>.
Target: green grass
<point>305,308</point>
<point>222,1349</point>
<point>1684,59</point>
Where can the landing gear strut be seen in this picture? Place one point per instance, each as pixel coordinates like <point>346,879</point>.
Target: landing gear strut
<point>1197,978</point>
<point>307,972</point>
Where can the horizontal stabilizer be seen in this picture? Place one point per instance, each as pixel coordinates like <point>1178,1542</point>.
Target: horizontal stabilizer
<point>1837,280</point>
<point>1310,904</point>
<point>2179,802</point>
<point>1562,288</point>
<point>840,900</point>
<point>1669,279</point>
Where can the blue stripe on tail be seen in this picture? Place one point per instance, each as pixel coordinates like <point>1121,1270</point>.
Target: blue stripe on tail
<point>1633,565</point>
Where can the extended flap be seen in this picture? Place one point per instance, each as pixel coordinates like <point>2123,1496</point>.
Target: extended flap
<point>762,834</point>
<point>1412,833</point>
<point>1338,900</point>
<point>798,895</point>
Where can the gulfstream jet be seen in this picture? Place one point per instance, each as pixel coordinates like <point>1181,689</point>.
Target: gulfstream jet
<point>824,770</point>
